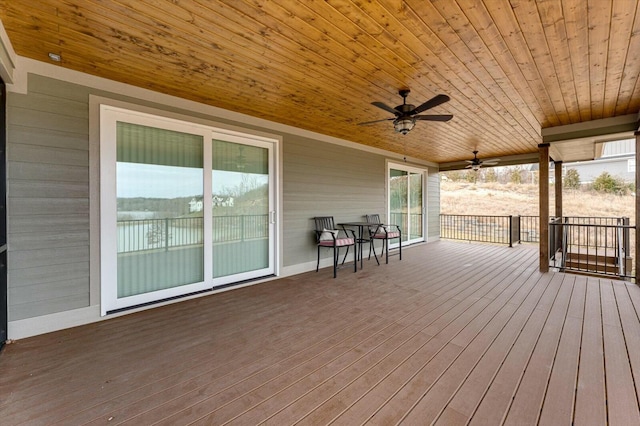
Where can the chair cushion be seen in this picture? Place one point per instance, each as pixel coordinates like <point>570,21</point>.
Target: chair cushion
<point>340,242</point>
<point>329,234</point>
<point>389,235</point>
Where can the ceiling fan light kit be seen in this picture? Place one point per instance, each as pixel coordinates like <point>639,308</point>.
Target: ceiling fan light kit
<point>477,163</point>
<point>404,125</point>
<point>406,115</point>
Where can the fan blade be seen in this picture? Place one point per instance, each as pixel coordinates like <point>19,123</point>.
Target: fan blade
<point>469,166</point>
<point>489,163</point>
<point>386,108</point>
<point>469,161</point>
<point>442,117</point>
<point>375,121</point>
<point>433,102</point>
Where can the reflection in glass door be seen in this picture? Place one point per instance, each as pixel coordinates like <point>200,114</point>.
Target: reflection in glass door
<point>159,239</point>
<point>406,202</point>
<point>183,208</point>
<point>241,200</point>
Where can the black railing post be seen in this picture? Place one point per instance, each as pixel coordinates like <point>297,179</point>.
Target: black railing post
<point>166,234</point>
<point>625,236</point>
<point>510,231</point>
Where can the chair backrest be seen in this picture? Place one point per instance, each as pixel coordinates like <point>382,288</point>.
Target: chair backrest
<point>373,218</point>
<point>324,222</point>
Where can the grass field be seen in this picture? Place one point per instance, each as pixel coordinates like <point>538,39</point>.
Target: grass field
<point>522,199</point>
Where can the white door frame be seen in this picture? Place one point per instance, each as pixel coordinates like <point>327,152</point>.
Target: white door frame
<point>109,115</point>
<point>423,179</point>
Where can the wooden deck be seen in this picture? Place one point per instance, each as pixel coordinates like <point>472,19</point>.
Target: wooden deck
<point>454,333</point>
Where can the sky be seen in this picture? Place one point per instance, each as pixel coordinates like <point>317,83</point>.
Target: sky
<point>157,181</point>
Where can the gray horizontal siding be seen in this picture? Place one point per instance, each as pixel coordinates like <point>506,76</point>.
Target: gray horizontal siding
<point>47,155</point>
<point>326,180</point>
<point>46,189</point>
<point>48,198</point>
<point>19,170</point>
<point>34,225</point>
<point>25,294</point>
<point>46,120</point>
<point>433,204</point>
<point>49,274</point>
<point>50,305</point>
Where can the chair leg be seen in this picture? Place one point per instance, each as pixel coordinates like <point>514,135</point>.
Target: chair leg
<point>336,254</point>
<point>386,243</point>
<point>400,247</point>
<point>345,255</point>
<point>355,259</point>
<point>372,246</point>
<point>318,264</point>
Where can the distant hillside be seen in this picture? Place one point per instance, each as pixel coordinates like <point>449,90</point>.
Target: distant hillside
<point>522,199</point>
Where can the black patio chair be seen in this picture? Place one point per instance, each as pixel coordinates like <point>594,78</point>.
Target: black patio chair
<point>384,233</point>
<point>328,236</point>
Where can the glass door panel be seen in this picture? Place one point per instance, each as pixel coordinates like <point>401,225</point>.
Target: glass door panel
<point>399,200</point>
<point>241,199</point>
<point>415,207</point>
<point>406,203</point>
<point>159,175</point>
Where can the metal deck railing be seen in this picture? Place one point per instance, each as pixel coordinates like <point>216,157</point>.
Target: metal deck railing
<point>169,233</point>
<point>595,245</point>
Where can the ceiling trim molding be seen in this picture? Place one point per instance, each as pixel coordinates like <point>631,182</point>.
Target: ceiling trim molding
<point>591,129</point>
<point>511,160</point>
<point>7,57</point>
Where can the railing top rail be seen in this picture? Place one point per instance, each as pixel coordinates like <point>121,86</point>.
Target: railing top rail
<point>473,215</point>
<point>593,217</point>
<point>592,225</point>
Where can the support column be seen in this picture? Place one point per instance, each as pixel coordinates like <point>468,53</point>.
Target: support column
<point>558,179</point>
<point>544,207</point>
<point>558,213</point>
<point>637,233</point>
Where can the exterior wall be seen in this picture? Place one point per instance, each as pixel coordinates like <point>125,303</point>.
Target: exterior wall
<point>326,180</point>
<point>48,199</point>
<point>433,205</point>
<point>618,158</point>
<point>52,197</point>
<point>590,170</point>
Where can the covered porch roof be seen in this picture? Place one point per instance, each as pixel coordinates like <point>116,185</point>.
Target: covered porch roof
<point>454,332</point>
<point>513,69</point>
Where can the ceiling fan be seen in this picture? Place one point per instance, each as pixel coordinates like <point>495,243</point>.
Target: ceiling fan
<point>476,163</point>
<point>406,115</point>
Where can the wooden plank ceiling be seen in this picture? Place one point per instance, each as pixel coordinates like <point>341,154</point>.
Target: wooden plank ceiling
<point>511,67</point>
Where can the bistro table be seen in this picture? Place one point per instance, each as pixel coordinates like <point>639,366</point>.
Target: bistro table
<point>361,239</point>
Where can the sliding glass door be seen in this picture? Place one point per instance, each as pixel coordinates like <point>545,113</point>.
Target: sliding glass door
<point>242,200</point>
<point>159,240</point>
<point>184,208</point>
<point>406,201</point>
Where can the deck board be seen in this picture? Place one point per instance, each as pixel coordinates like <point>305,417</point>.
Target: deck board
<point>453,333</point>
<point>590,396</point>
<point>528,399</point>
<point>622,402</point>
<point>558,404</point>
